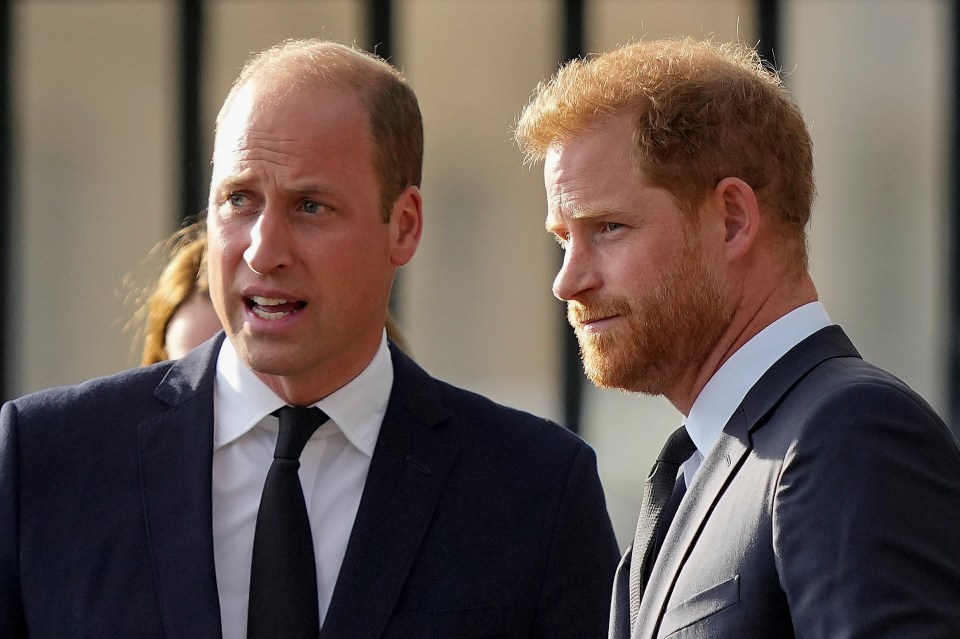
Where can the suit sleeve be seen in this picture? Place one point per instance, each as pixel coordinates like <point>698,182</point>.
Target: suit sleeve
<point>575,600</point>
<point>867,519</point>
<point>12,623</point>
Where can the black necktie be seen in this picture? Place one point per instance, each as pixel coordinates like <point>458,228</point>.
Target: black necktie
<point>657,490</point>
<point>283,574</point>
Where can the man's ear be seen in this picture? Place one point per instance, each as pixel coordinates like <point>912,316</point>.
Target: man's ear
<point>406,225</point>
<point>741,215</point>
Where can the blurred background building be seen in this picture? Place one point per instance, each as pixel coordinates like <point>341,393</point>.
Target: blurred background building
<point>106,122</point>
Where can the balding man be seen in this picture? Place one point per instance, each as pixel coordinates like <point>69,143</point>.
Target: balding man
<point>300,477</point>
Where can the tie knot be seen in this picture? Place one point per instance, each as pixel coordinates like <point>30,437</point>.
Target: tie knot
<point>297,424</point>
<point>678,449</point>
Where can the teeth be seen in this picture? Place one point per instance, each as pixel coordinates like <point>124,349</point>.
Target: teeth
<point>267,301</point>
<point>259,312</point>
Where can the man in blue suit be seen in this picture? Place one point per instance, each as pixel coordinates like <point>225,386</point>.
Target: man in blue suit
<point>808,493</point>
<point>135,505</point>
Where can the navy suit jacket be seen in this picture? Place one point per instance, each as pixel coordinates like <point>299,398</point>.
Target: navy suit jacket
<point>476,520</point>
<point>828,509</point>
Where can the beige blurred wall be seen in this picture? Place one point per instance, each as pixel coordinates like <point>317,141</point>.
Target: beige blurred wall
<point>476,300</point>
<point>94,113</point>
<point>873,79</point>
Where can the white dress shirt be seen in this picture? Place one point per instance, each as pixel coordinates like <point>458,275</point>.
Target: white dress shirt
<point>333,470</point>
<point>725,391</point>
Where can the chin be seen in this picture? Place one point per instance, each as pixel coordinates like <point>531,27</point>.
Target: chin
<point>264,358</point>
<point>627,372</point>
<point>273,369</point>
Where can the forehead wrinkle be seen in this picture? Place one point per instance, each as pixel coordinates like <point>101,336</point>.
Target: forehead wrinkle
<point>257,137</point>
<point>261,154</point>
<point>252,145</point>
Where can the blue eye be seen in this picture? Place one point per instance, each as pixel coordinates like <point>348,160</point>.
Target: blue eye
<point>612,226</point>
<point>313,208</point>
<point>237,199</point>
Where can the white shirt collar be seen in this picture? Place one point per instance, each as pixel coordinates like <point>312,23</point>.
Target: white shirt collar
<point>242,400</point>
<point>725,391</point>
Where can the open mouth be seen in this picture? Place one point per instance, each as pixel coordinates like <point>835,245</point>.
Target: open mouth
<point>273,308</point>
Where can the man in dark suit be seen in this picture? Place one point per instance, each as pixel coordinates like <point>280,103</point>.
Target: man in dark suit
<point>168,502</point>
<point>808,493</point>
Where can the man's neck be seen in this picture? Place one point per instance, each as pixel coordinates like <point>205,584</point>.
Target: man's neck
<point>319,382</point>
<point>751,316</point>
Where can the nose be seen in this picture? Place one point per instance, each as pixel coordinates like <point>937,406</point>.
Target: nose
<point>270,244</point>
<point>577,275</point>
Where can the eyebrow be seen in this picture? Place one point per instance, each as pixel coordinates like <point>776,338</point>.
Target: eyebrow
<point>309,189</point>
<point>243,178</point>
<point>233,182</point>
<point>581,214</point>
<point>551,228</point>
<point>584,214</point>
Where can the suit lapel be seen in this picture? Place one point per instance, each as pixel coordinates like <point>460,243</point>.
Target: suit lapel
<point>714,475</point>
<point>410,465</point>
<point>176,454</point>
<point>721,465</point>
<point>620,601</point>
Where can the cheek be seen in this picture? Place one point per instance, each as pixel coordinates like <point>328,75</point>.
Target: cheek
<point>225,245</point>
<point>369,248</point>
<point>221,263</point>
<point>637,271</point>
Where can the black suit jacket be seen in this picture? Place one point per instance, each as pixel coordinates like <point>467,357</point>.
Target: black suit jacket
<point>476,520</point>
<point>828,509</point>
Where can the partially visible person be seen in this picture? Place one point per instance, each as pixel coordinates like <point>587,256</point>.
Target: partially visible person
<point>298,471</point>
<point>178,315</point>
<point>808,493</point>
<point>193,323</point>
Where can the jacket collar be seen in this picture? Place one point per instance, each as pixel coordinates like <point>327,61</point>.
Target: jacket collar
<point>412,460</point>
<point>726,458</point>
<point>175,456</point>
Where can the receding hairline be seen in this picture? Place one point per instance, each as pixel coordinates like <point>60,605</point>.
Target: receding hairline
<point>390,106</point>
<point>294,65</point>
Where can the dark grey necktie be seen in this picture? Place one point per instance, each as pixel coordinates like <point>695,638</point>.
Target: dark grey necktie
<point>283,574</point>
<point>656,493</point>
